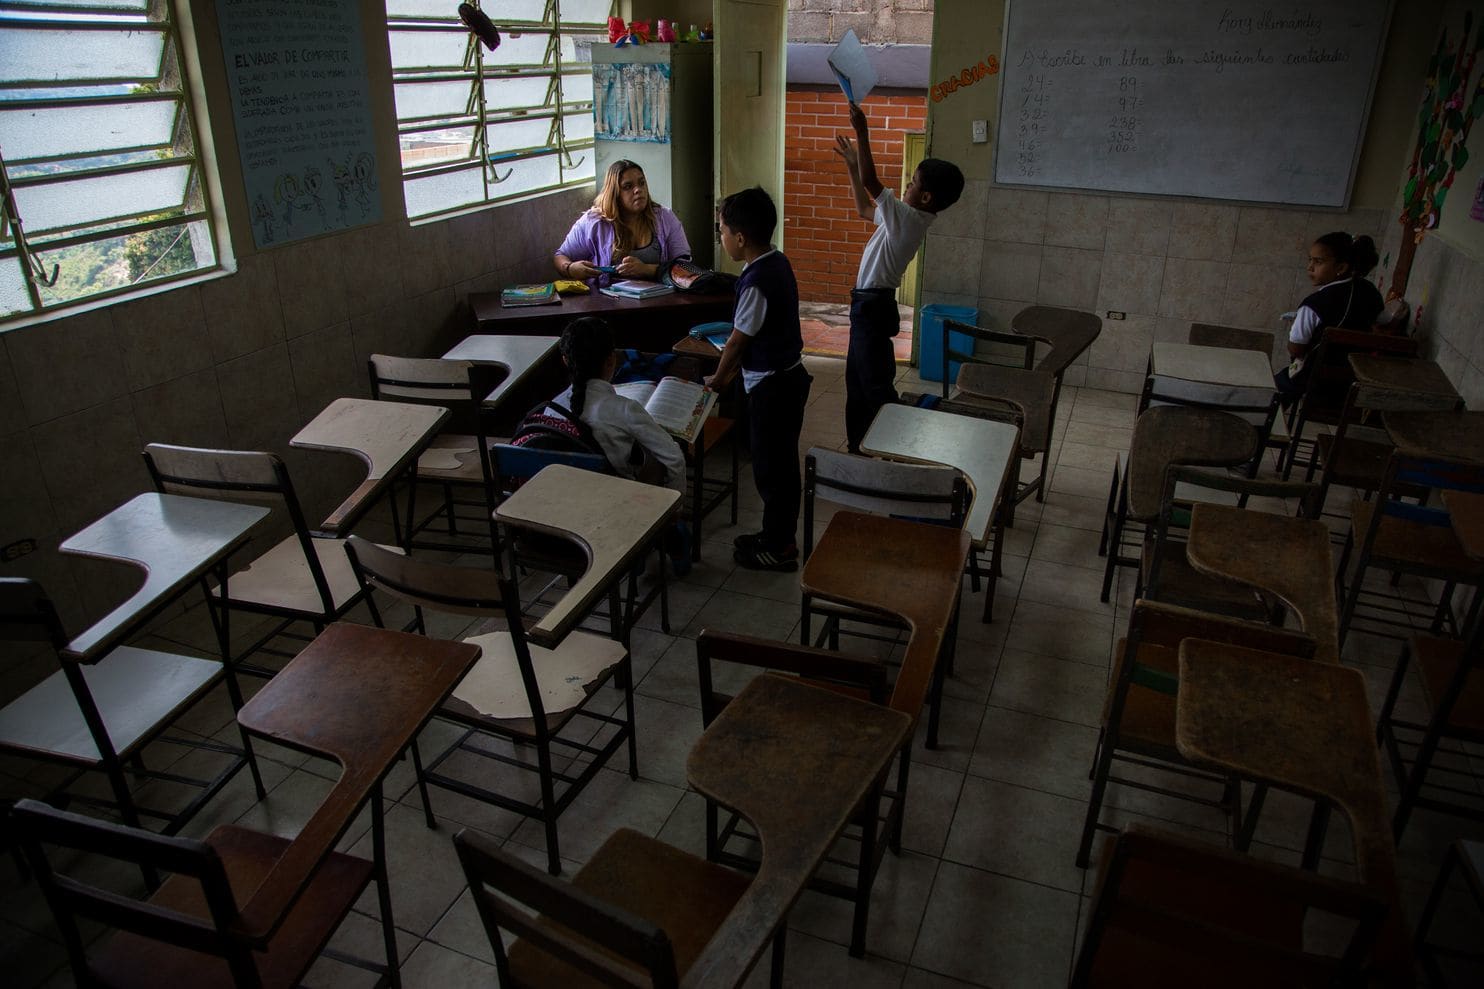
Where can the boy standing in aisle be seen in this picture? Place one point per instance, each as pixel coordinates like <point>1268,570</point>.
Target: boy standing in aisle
<point>901,225</point>
<point>768,346</point>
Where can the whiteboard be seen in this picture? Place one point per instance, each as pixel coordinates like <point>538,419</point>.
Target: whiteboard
<point>1249,101</point>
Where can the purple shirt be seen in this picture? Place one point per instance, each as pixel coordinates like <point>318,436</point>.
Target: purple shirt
<point>591,239</point>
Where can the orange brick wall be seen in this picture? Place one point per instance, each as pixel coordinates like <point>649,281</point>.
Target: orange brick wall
<point>824,236</point>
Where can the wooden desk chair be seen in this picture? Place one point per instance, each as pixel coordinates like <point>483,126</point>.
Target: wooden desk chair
<point>517,691</point>
<point>1030,387</point>
<point>1466,858</point>
<point>511,466</point>
<point>1356,453</point>
<point>306,577</point>
<point>1139,714</point>
<point>1231,337</point>
<point>1170,911</point>
<point>1259,406</point>
<point>1165,572</point>
<point>1401,538</point>
<point>185,934</point>
<point>1452,679</point>
<point>453,460</point>
<point>1330,381</point>
<point>1166,435</point>
<point>920,492</point>
<point>734,843</point>
<point>639,912</point>
<point>101,716</point>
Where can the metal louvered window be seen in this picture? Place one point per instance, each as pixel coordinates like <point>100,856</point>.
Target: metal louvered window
<point>100,180</point>
<point>479,126</point>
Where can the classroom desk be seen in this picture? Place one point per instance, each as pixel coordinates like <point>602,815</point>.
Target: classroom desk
<point>651,324</point>
<point>387,436</point>
<point>1212,365</point>
<point>611,518</point>
<point>358,696</point>
<point>1401,374</point>
<point>1301,726</point>
<point>981,448</point>
<point>520,356</point>
<point>1466,512</point>
<point>984,450</point>
<point>1457,437</point>
<point>1287,557</point>
<point>796,761</point>
<point>174,539</point>
<point>908,570</point>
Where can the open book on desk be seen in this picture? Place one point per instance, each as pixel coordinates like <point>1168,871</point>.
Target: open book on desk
<point>680,407</point>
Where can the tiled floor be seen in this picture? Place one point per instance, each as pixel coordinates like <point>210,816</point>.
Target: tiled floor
<point>826,327</point>
<point>985,891</point>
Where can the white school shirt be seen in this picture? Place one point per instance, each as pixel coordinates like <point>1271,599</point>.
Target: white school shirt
<point>618,423</point>
<point>752,309</point>
<point>899,232</point>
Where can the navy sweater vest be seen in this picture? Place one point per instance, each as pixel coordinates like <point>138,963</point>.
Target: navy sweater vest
<point>1352,304</point>
<point>777,346</point>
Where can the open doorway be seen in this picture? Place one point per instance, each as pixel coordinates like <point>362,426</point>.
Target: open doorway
<point>823,236</point>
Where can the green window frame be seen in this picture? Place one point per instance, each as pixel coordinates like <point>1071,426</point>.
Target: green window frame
<point>478,127</point>
<point>101,185</point>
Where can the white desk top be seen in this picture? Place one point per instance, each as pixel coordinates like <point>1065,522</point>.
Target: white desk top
<point>517,354</point>
<point>1212,365</point>
<point>611,518</point>
<point>385,435</point>
<point>981,448</point>
<point>173,539</point>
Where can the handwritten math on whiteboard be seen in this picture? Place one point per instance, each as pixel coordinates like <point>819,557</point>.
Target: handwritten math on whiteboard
<point>1248,101</point>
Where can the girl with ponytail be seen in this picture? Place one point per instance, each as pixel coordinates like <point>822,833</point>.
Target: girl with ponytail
<point>637,446</point>
<point>1338,265</point>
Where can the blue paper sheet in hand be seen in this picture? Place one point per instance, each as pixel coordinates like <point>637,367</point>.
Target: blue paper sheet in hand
<point>852,67</point>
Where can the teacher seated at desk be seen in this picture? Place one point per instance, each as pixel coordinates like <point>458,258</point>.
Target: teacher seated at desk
<point>625,230</point>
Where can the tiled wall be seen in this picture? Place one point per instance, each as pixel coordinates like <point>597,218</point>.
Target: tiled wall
<point>1164,264</point>
<point>1448,284</point>
<point>824,235</point>
<point>240,362</point>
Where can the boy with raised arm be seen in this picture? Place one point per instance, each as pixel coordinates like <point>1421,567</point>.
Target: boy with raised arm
<point>901,225</point>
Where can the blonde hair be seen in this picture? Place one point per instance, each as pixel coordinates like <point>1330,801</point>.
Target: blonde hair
<point>639,229</point>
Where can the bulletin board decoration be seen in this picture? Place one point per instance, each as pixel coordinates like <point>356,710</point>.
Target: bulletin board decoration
<point>296,73</point>
<point>1452,99</point>
<point>631,102</point>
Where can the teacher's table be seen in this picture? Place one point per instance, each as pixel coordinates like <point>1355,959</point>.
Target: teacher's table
<point>648,324</point>
<point>796,761</point>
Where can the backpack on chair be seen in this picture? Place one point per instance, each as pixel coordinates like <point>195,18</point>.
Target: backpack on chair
<point>563,432</point>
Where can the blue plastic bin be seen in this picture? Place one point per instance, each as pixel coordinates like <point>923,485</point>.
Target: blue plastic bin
<point>930,342</point>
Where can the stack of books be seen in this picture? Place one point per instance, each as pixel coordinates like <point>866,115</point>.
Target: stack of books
<point>632,289</point>
<point>541,294</point>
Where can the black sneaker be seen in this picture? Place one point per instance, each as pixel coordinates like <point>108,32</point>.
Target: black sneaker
<point>748,542</point>
<point>759,557</point>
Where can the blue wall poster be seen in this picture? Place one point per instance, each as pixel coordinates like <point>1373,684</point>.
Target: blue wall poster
<point>296,70</point>
<point>631,102</point>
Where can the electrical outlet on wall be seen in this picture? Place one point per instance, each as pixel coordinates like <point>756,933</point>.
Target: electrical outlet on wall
<point>981,131</point>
